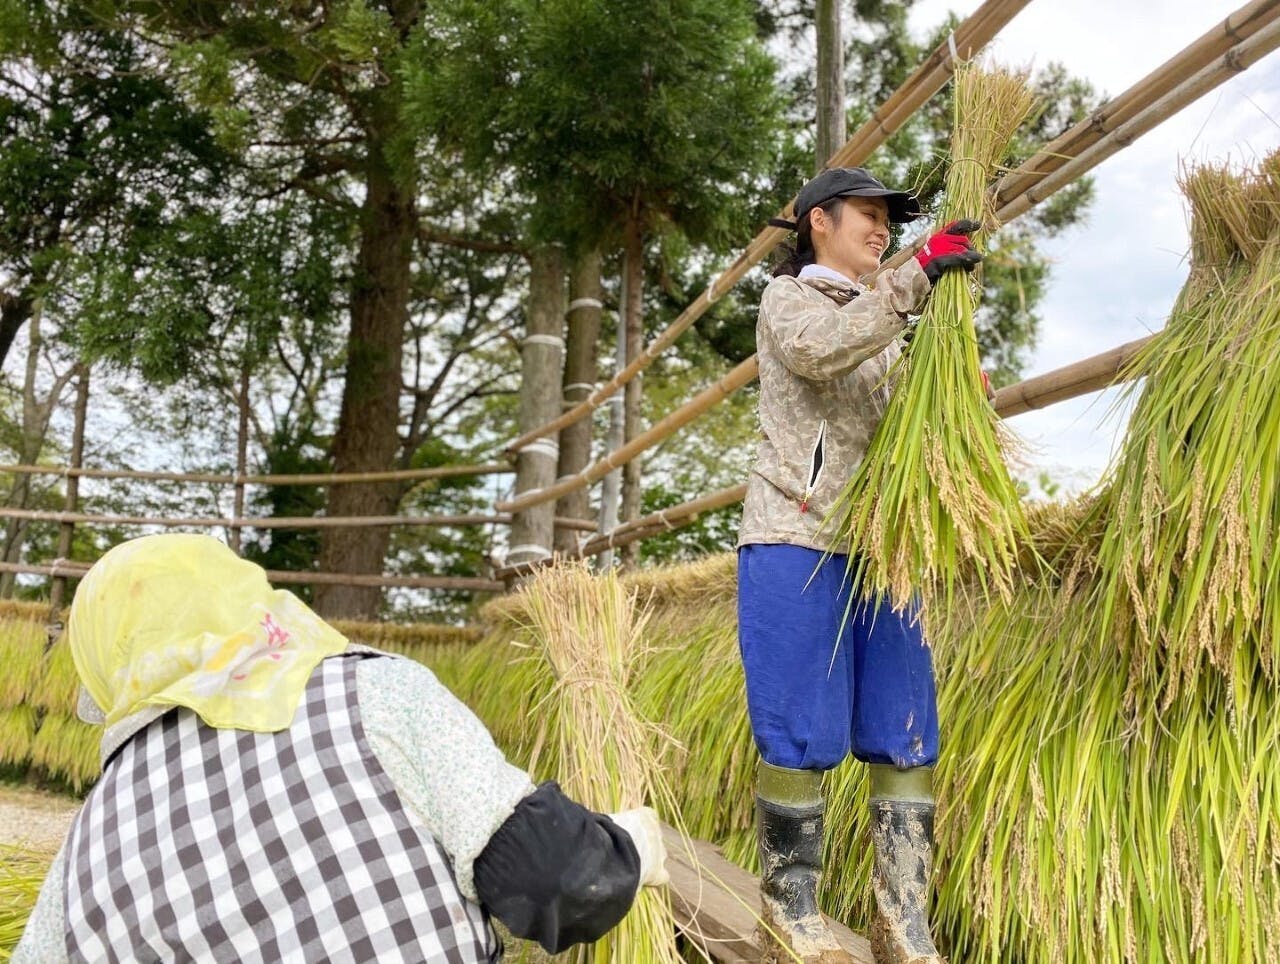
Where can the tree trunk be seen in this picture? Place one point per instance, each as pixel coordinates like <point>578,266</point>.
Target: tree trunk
<point>633,312</point>
<point>579,381</point>
<point>15,310</point>
<point>830,40</point>
<point>367,438</point>
<point>36,414</point>
<point>541,357</point>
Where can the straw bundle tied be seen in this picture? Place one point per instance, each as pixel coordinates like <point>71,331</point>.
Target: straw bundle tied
<point>933,495</point>
<point>1188,569</point>
<point>610,757</point>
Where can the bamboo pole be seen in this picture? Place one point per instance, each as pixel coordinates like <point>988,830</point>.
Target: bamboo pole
<point>1071,381</point>
<point>1236,59</point>
<point>331,478</point>
<point>76,570</point>
<point>242,455</point>
<point>727,385</point>
<point>969,38</point>
<point>1081,378</point>
<point>1239,26</point>
<point>675,517</point>
<point>284,522</point>
<point>66,533</point>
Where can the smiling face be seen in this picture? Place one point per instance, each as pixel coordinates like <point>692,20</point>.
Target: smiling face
<point>854,242</point>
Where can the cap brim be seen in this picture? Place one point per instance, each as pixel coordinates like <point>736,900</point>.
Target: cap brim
<point>903,207</point>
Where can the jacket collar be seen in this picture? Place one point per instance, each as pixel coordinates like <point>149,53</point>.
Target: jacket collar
<point>842,290</point>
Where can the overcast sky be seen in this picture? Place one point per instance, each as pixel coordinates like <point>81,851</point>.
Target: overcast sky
<point>1115,279</point>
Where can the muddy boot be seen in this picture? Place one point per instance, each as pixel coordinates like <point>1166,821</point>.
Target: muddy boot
<point>902,833</point>
<point>789,825</point>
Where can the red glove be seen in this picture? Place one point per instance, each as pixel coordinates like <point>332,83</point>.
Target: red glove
<point>949,248</point>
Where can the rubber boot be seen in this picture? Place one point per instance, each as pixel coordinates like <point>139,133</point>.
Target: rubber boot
<point>789,833</point>
<point>902,833</point>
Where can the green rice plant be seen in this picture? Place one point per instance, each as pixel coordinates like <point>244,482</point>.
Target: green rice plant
<point>17,733</point>
<point>1070,830</point>
<point>1187,555</point>
<point>932,497</point>
<point>407,639</point>
<point>610,757</point>
<point>22,872</point>
<point>22,646</point>
<point>67,750</point>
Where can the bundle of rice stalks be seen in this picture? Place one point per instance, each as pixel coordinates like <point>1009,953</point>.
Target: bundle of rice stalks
<point>59,684</point>
<point>1069,832</point>
<point>67,750</point>
<point>21,874</point>
<point>1188,561</point>
<point>22,646</point>
<point>610,756</point>
<point>933,495</point>
<point>17,733</point>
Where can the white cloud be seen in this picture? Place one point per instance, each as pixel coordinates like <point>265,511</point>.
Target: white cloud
<point>1115,279</point>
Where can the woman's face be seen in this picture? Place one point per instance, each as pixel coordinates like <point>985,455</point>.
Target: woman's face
<point>855,243</point>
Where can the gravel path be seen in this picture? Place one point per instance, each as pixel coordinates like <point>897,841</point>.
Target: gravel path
<point>34,819</point>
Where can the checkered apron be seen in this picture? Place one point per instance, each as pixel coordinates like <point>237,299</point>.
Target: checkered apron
<point>226,845</point>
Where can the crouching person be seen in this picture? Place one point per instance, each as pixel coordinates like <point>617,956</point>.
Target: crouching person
<point>270,792</point>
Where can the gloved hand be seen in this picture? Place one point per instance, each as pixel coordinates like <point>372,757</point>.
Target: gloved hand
<point>949,248</point>
<point>986,387</point>
<point>646,833</point>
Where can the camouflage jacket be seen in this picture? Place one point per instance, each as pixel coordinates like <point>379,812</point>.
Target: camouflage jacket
<point>825,349</point>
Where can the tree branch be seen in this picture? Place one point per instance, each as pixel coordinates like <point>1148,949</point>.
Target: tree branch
<point>429,235</point>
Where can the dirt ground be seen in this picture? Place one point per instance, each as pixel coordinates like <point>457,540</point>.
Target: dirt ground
<point>33,818</point>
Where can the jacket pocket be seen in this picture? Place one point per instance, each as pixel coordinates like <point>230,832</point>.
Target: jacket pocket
<point>817,461</point>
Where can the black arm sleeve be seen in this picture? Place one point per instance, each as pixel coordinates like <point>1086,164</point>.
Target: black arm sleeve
<point>556,872</point>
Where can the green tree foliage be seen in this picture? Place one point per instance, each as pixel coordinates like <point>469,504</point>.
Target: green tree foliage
<point>96,151</point>
<point>600,112</point>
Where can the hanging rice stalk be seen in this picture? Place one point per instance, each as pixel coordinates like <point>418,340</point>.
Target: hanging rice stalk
<point>1069,831</point>
<point>22,645</point>
<point>610,757</point>
<point>932,495</point>
<point>1188,561</point>
<point>17,733</point>
<point>59,685</point>
<point>67,750</point>
<point>21,874</point>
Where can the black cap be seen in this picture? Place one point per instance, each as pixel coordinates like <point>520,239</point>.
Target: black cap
<point>854,182</point>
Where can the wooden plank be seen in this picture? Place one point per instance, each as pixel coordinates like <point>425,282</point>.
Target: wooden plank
<point>716,903</point>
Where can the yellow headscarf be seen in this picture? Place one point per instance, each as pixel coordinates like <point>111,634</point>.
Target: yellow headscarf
<point>180,620</point>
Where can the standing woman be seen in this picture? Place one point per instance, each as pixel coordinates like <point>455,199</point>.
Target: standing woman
<point>815,693</point>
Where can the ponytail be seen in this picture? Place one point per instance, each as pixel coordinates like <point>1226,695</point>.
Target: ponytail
<point>803,254</point>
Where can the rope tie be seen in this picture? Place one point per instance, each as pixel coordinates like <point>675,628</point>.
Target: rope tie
<point>577,303</point>
<point>551,341</point>
<point>543,447</point>
<point>535,552</point>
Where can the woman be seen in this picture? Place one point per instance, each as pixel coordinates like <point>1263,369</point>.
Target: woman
<point>270,792</point>
<point>825,678</point>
